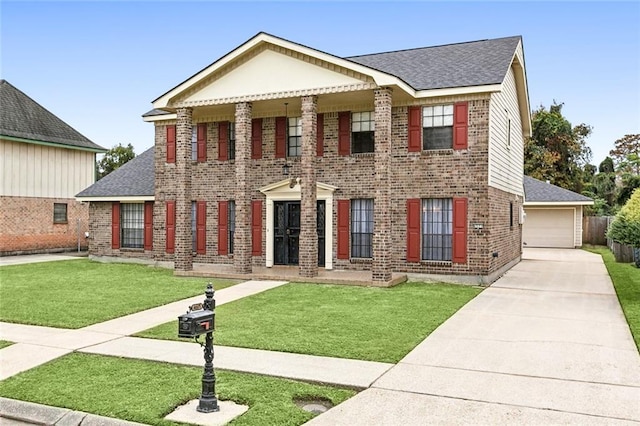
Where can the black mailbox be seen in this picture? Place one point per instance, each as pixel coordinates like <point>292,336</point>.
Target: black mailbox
<point>195,323</point>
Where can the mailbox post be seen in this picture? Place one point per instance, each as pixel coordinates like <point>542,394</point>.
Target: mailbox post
<point>201,320</point>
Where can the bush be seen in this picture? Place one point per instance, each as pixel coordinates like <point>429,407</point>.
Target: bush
<point>625,228</point>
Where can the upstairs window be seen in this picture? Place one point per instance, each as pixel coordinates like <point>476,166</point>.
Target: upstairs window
<point>294,137</point>
<point>437,127</point>
<point>232,141</point>
<point>362,132</point>
<point>59,212</point>
<point>194,143</point>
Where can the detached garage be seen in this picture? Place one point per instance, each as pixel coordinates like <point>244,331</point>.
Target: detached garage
<point>553,215</point>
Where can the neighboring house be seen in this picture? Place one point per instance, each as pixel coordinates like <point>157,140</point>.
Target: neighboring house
<point>278,154</point>
<point>553,215</point>
<point>45,163</point>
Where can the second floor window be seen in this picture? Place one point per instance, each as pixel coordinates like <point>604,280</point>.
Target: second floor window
<point>362,132</point>
<point>232,141</point>
<point>437,127</point>
<point>194,143</point>
<point>294,137</point>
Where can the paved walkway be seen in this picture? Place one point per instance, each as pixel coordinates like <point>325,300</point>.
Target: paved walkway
<point>545,344</point>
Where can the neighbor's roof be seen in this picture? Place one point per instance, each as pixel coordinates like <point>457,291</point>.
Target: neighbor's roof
<point>537,191</point>
<point>23,118</point>
<point>133,179</point>
<point>474,63</point>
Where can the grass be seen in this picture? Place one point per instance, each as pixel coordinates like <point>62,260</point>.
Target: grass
<point>376,324</point>
<point>4,344</point>
<point>626,280</point>
<point>77,293</point>
<point>145,391</point>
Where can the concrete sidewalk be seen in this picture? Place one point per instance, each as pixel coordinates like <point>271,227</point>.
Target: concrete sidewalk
<point>547,343</point>
<point>37,345</point>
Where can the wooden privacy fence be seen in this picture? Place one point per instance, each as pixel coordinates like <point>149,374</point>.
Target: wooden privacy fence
<point>594,229</point>
<point>623,253</point>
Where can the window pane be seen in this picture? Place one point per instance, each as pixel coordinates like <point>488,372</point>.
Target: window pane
<point>437,229</point>
<point>232,141</point>
<point>448,110</point>
<point>194,142</point>
<point>362,228</point>
<point>437,137</point>
<point>193,225</point>
<point>437,110</point>
<point>59,213</point>
<point>232,224</point>
<point>294,138</point>
<point>448,120</point>
<point>132,225</point>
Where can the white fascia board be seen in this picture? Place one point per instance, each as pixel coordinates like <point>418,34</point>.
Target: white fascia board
<point>381,79</point>
<point>129,199</point>
<point>163,117</point>
<point>557,203</point>
<point>456,91</point>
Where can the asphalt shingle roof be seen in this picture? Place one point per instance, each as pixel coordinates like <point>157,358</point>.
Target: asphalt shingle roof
<point>538,191</point>
<point>134,178</point>
<point>22,117</point>
<point>473,63</point>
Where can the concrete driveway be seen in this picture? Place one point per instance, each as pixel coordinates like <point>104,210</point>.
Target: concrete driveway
<point>546,344</point>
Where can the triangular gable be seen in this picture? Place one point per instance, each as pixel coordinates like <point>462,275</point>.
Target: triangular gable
<point>290,69</point>
<point>289,186</point>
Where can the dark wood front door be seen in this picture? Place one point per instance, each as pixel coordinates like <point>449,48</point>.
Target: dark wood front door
<point>287,232</point>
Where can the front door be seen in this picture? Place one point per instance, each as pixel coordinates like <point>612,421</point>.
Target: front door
<point>287,232</point>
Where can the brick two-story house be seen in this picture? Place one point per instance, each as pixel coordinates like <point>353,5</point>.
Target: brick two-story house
<point>278,154</point>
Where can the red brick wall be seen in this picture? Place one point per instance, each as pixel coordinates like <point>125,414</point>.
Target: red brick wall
<point>431,174</point>
<point>26,225</point>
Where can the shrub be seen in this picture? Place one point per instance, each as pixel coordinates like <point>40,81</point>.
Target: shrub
<point>625,228</point>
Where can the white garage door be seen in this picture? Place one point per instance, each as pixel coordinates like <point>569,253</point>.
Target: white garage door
<point>548,228</point>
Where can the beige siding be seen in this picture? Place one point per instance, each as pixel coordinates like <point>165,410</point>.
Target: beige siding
<point>30,170</point>
<point>506,156</point>
<point>578,221</point>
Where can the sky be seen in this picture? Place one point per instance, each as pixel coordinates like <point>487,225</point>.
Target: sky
<point>99,65</point>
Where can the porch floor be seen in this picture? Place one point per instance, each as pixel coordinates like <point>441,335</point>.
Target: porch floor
<point>290,273</point>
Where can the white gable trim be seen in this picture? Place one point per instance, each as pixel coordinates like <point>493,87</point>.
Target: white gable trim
<point>379,78</point>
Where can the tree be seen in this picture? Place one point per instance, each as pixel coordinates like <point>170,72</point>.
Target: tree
<point>114,158</point>
<point>606,166</point>
<point>557,151</point>
<point>626,153</point>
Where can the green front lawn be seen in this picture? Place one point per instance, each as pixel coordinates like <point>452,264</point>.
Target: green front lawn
<point>626,280</point>
<point>77,293</point>
<point>376,324</point>
<point>145,391</point>
<point>4,344</point>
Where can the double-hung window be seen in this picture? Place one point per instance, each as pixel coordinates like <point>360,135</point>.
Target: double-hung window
<point>194,143</point>
<point>132,225</point>
<point>232,224</point>
<point>59,212</point>
<point>437,229</point>
<point>232,140</point>
<point>362,132</point>
<point>294,137</point>
<point>437,127</point>
<point>362,228</point>
<point>194,221</point>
